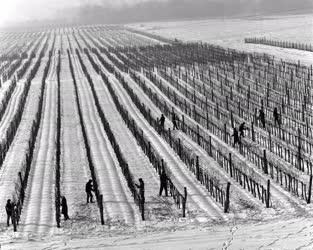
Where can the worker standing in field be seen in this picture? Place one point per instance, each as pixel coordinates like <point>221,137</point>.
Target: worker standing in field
<point>242,129</point>
<point>163,183</point>
<point>141,187</point>
<point>162,122</point>
<point>276,117</point>
<point>236,137</point>
<point>64,208</point>
<point>262,117</point>
<point>89,190</point>
<point>174,120</point>
<point>9,207</point>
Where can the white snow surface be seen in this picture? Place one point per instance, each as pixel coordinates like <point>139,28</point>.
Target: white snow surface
<point>230,33</point>
<point>287,225</point>
<point>277,234</point>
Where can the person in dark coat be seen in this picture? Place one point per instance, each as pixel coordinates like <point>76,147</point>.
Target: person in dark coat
<point>163,183</point>
<point>262,117</point>
<point>276,116</point>
<point>174,120</point>
<point>162,122</point>
<point>141,188</point>
<point>64,208</point>
<point>89,190</point>
<point>9,207</point>
<point>236,137</point>
<point>242,129</point>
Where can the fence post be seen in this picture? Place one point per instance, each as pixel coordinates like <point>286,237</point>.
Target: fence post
<point>299,148</point>
<point>226,206</point>
<point>252,131</point>
<point>265,162</point>
<point>142,205</point>
<point>14,219</point>
<point>197,168</point>
<point>310,190</point>
<point>101,209</point>
<point>230,166</point>
<point>225,132</point>
<point>210,146</point>
<point>268,194</point>
<point>184,202</point>
<point>58,215</point>
<point>198,134</point>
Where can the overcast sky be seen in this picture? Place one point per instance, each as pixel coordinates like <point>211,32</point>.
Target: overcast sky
<point>20,10</point>
<point>15,11</point>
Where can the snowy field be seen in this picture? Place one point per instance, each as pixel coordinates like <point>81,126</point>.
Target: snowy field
<point>84,105</point>
<point>231,33</point>
<point>288,234</point>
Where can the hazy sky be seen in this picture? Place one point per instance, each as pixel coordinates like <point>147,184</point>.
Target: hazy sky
<point>19,10</point>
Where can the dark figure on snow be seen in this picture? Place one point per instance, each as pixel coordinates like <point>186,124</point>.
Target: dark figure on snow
<point>262,117</point>
<point>64,208</point>
<point>9,208</point>
<point>163,183</point>
<point>89,190</point>
<point>141,188</point>
<point>276,116</point>
<point>242,129</point>
<point>174,120</point>
<point>162,122</point>
<point>236,137</point>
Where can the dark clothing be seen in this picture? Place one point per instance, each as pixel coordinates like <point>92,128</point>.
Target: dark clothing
<point>162,122</point>
<point>276,116</point>
<point>141,188</point>
<point>262,117</point>
<point>89,189</point>
<point>9,208</point>
<point>242,128</point>
<point>236,137</point>
<point>89,197</point>
<point>174,120</point>
<point>64,208</point>
<point>163,184</point>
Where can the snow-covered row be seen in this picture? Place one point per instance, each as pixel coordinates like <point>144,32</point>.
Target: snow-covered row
<point>38,216</point>
<point>74,165</point>
<point>16,155</point>
<point>119,206</point>
<point>138,162</point>
<point>280,198</point>
<point>199,203</point>
<point>239,197</point>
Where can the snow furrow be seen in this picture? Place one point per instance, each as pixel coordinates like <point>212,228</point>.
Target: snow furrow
<point>198,200</point>
<point>39,210</point>
<point>280,198</point>
<point>16,155</point>
<point>118,205</point>
<point>74,165</point>
<point>138,162</point>
<point>11,109</point>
